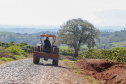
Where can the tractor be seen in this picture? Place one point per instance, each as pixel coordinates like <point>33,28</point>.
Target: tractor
<point>40,51</point>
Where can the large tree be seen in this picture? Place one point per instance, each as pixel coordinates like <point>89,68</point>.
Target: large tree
<point>76,32</point>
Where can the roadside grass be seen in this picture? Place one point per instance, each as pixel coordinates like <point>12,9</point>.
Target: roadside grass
<point>6,60</point>
<point>66,60</point>
<point>93,80</point>
<point>79,72</point>
<point>13,53</point>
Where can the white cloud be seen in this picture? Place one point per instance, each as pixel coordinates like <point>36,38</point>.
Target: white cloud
<point>112,17</point>
<point>53,12</point>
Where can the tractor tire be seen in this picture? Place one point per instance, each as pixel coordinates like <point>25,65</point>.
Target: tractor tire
<point>55,62</point>
<point>36,60</point>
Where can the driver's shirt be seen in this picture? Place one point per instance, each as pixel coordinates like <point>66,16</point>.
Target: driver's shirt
<point>47,43</point>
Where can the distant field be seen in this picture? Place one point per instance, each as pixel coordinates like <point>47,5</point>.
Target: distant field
<point>8,33</point>
<point>114,44</point>
<point>63,47</point>
<point>119,44</point>
<point>84,46</point>
<point>66,47</point>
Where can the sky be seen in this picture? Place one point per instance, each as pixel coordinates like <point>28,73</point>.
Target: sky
<point>57,12</point>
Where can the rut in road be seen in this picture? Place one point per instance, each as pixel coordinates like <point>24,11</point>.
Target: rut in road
<point>24,71</point>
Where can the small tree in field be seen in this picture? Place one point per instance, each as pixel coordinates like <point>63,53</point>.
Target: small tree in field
<point>76,32</point>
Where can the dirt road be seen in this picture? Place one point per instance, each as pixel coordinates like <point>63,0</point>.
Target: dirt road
<point>25,72</point>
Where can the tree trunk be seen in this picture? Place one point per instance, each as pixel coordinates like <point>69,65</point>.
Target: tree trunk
<point>76,52</point>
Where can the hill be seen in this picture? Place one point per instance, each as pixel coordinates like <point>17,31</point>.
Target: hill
<point>109,38</point>
<point>110,28</point>
<point>112,39</point>
<point>27,29</point>
<point>30,29</point>
<point>31,39</point>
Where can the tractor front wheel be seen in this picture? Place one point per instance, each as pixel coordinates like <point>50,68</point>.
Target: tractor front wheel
<point>55,62</point>
<point>36,60</point>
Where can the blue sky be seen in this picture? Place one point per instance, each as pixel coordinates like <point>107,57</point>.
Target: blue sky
<point>57,12</point>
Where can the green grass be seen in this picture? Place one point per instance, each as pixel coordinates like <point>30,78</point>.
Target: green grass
<point>65,60</point>
<point>84,46</point>
<point>3,60</point>
<point>63,47</point>
<point>92,80</point>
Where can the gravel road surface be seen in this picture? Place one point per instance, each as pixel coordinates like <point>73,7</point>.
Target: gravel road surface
<point>25,72</point>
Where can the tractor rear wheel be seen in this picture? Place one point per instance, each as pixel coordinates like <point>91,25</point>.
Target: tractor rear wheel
<point>36,60</point>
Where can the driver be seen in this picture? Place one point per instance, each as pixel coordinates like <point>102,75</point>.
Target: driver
<point>47,43</point>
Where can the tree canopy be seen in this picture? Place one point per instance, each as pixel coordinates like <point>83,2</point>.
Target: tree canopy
<point>76,32</point>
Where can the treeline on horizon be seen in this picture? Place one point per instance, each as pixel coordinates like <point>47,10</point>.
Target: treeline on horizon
<point>108,39</point>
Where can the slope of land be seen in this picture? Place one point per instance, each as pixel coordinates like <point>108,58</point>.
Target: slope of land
<point>107,72</point>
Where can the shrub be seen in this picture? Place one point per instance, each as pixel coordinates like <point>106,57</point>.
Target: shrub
<point>3,53</point>
<point>16,50</point>
<point>118,54</point>
<point>10,59</point>
<point>3,59</point>
<point>91,53</point>
<point>67,52</point>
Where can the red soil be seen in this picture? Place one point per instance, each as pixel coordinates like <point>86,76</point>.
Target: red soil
<point>108,72</point>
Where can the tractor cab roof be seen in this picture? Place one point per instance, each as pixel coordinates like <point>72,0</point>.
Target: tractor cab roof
<point>48,35</point>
